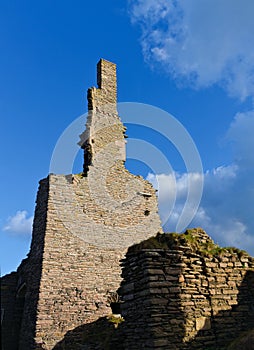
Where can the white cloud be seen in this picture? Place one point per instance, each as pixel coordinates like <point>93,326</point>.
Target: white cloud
<point>173,190</point>
<point>240,134</point>
<point>202,42</point>
<point>226,230</point>
<point>173,195</point>
<point>20,223</point>
<point>226,210</point>
<point>229,191</point>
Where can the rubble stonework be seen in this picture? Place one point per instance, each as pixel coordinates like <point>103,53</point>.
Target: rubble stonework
<point>82,227</point>
<point>185,292</point>
<point>178,291</point>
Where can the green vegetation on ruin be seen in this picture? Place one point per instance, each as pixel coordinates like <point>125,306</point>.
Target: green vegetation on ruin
<point>115,320</point>
<point>80,175</point>
<point>191,239</point>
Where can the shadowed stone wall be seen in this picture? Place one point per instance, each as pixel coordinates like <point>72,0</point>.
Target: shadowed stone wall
<point>184,292</point>
<point>19,321</point>
<point>8,299</point>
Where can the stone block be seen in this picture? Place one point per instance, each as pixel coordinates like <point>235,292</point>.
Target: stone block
<point>203,323</point>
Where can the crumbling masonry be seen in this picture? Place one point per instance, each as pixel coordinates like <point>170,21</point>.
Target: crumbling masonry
<point>178,291</point>
<point>82,227</point>
<point>185,292</point>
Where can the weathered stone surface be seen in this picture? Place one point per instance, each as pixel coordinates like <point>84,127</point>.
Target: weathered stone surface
<point>201,309</point>
<point>83,225</point>
<point>184,292</point>
<point>203,323</point>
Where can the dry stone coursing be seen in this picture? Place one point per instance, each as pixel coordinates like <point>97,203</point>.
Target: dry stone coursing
<point>82,227</point>
<point>184,292</point>
<point>178,291</point>
<point>8,299</point>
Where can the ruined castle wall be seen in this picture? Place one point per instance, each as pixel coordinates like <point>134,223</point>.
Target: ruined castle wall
<point>19,290</point>
<point>103,139</point>
<point>181,299</point>
<point>75,278</point>
<point>30,272</point>
<point>84,240</point>
<point>83,225</point>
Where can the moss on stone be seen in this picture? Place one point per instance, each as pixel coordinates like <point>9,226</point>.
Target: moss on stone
<point>116,320</point>
<point>195,240</point>
<point>80,175</point>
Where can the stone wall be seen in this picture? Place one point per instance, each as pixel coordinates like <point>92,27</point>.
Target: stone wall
<point>24,293</point>
<point>103,140</point>
<point>184,292</point>
<point>8,298</point>
<point>82,227</point>
<point>179,291</point>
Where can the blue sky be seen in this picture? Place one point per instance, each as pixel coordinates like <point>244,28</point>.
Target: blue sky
<point>193,59</point>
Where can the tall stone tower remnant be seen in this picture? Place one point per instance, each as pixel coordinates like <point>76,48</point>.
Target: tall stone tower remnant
<point>82,227</point>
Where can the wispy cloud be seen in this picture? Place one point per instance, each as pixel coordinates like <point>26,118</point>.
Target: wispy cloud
<point>200,42</point>
<point>19,223</point>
